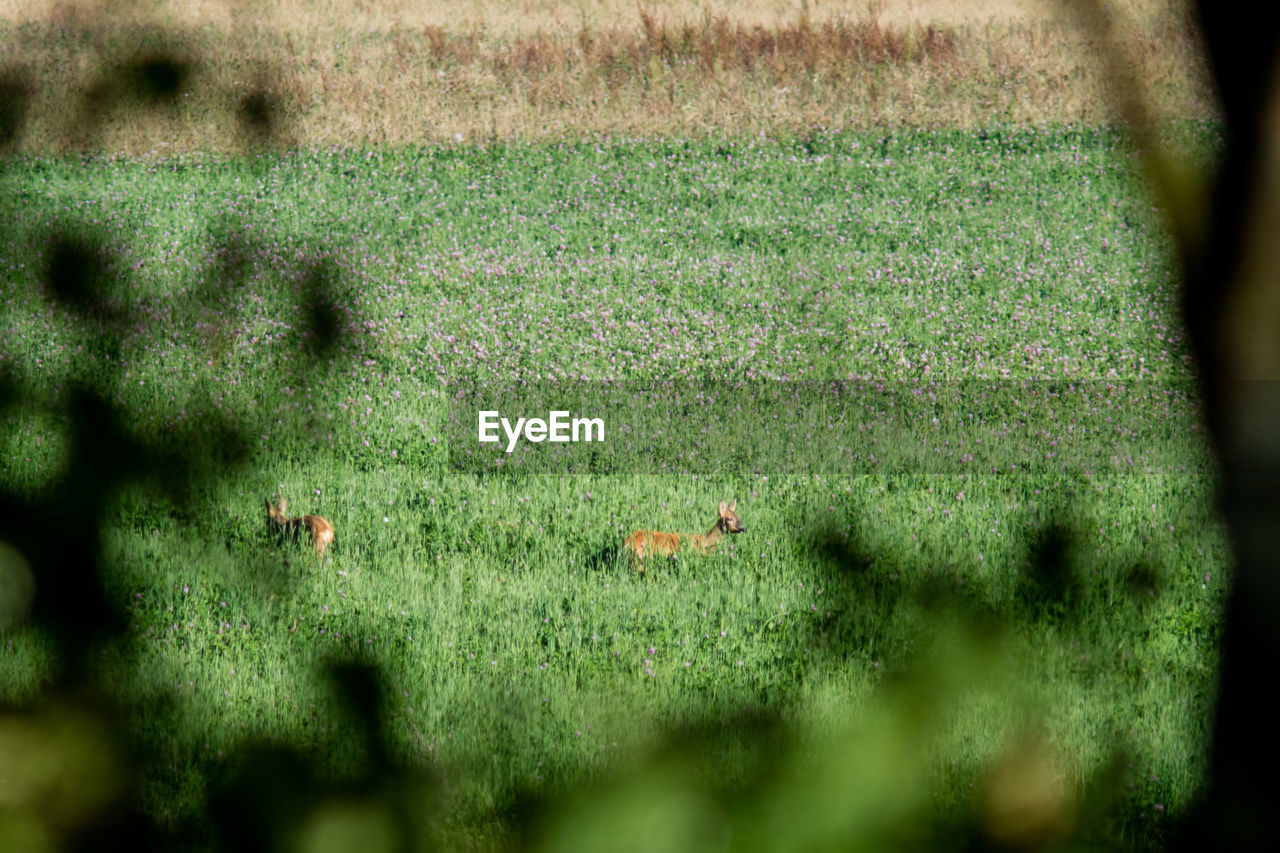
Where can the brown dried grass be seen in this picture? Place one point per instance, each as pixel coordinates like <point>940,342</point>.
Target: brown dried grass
<point>654,70</point>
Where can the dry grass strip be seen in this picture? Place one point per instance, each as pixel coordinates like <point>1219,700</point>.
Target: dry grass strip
<point>215,82</point>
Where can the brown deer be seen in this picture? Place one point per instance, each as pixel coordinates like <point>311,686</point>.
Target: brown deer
<point>645,543</point>
<point>319,530</point>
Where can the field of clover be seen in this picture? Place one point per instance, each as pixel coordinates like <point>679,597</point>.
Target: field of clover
<point>524,655</point>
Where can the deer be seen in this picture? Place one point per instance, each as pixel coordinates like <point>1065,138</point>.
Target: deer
<point>645,543</point>
<point>318,529</point>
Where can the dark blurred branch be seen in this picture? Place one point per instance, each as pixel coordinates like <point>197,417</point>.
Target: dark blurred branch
<point>1231,297</point>
<point>1231,292</point>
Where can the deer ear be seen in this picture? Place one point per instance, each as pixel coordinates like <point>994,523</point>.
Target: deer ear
<point>733,506</point>
<point>723,507</point>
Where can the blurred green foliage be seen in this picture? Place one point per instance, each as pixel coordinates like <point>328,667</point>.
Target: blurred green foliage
<point>970,661</point>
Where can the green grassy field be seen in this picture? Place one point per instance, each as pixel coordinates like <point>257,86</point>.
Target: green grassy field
<point>885,651</point>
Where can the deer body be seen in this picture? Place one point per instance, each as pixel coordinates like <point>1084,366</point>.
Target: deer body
<point>645,543</point>
<point>318,529</point>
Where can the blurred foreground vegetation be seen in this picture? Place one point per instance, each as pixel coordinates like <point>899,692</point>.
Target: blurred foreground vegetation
<point>941,657</point>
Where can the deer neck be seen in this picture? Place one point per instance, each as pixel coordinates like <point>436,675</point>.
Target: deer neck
<point>712,536</point>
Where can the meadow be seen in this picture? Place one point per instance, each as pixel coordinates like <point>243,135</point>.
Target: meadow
<point>951,645</point>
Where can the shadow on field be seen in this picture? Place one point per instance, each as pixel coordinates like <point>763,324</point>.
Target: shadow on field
<point>963,639</point>
<point>279,797</point>
<point>77,757</point>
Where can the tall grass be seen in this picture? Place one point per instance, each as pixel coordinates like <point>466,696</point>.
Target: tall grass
<point>635,72</point>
